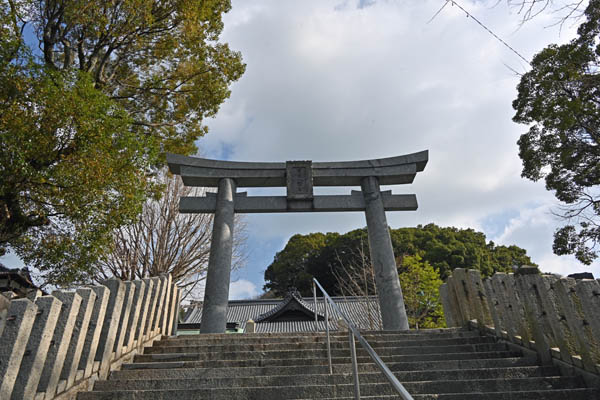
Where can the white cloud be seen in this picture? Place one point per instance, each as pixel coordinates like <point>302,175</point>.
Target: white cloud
<point>327,80</point>
<point>242,289</point>
<point>532,229</point>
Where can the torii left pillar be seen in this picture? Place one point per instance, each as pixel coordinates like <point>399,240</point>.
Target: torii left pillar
<point>216,291</point>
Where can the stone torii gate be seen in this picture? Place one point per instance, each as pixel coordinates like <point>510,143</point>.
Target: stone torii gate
<point>299,177</point>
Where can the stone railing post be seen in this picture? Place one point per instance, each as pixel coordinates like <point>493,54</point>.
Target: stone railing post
<point>140,330</point>
<point>90,346</point>
<point>33,360</point>
<point>77,342</point>
<point>449,311</point>
<point>156,289</point>
<point>4,304</point>
<point>61,344</point>
<point>13,342</point>
<point>134,315</point>
<point>174,312</point>
<point>164,314</point>
<point>528,292</point>
<point>110,325</point>
<point>557,317</point>
<point>61,339</point>
<point>124,318</point>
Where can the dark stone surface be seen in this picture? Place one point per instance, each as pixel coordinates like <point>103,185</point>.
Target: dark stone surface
<point>527,270</point>
<point>581,275</point>
<point>299,180</point>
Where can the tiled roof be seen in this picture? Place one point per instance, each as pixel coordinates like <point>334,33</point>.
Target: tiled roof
<point>362,311</point>
<point>292,302</point>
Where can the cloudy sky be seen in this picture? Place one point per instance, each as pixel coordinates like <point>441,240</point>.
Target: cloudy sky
<point>346,80</point>
<point>359,79</point>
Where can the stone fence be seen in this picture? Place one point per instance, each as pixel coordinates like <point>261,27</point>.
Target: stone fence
<point>58,345</point>
<point>559,318</point>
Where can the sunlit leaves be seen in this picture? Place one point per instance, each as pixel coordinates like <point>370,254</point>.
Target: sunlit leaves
<point>88,112</point>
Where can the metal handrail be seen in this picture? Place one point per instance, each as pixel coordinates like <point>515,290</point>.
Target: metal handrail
<point>354,333</point>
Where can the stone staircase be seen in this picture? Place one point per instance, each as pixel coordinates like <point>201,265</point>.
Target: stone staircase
<point>444,364</point>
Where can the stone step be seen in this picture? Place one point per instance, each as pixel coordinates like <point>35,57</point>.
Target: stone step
<point>229,376</point>
<point>342,346</point>
<point>309,357</point>
<point>322,391</point>
<point>333,334</point>
<point>253,381</point>
<point>394,366</point>
<point>374,341</point>
<point>494,385</point>
<point>430,386</point>
<point>458,332</point>
<point>569,394</point>
<point>448,364</point>
<point>246,393</point>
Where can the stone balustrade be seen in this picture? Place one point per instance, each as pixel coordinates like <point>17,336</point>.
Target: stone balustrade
<point>559,318</point>
<point>58,345</point>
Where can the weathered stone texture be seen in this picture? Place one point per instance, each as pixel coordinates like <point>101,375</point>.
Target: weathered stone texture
<point>164,315</point>
<point>563,288</point>
<point>35,355</point>
<point>558,317</point>
<point>134,315</point>
<point>140,331</point>
<point>389,292</point>
<point>492,305</point>
<point>156,289</point>
<point>13,342</point>
<point>174,310</point>
<point>479,297</point>
<point>449,311</point>
<point>90,347</point>
<point>4,304</point>
<point>216,294</point>
<point>527,289</point>
<point>80,330</point>
<point>124,319</point>
<point>63,334</point>
<point>104,353</point>
<point>159,305</point>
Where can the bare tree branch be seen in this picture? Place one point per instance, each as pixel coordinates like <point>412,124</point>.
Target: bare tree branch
<point>164,241</point>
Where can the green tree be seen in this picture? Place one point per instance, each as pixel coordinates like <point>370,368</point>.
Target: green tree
<point>444,248</point>
<point>86,120</point>
<point>420,286</point>
<point>288,269</point>
<point>560,100</point>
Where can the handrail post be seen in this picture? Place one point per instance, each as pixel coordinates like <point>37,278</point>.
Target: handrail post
<point>315,299</point>
<point>354,332</point>
<point>327,330</point>
<point>354,365</point>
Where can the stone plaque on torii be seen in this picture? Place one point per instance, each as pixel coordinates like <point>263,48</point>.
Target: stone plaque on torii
<point>299,177</point>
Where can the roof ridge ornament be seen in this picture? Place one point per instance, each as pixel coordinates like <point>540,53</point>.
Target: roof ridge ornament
<point>292,302</point>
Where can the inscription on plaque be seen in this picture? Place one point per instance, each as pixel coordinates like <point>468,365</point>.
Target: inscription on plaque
<point>299,180</point>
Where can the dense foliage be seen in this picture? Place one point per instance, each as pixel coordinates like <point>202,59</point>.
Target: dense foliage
<point>560,100</point>
<point>92,94</point>
<point>326,256</point>
<point>421,289</point>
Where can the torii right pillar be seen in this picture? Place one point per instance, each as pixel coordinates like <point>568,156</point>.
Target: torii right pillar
<point>389,292</point>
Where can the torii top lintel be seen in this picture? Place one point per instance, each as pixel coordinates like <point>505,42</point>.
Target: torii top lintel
<point>197,171</point>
